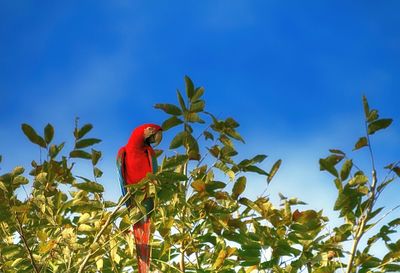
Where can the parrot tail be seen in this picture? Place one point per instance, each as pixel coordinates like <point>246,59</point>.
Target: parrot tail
<point>141,231</point>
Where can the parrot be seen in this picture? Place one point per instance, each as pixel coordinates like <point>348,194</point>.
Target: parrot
<point>134,161</point>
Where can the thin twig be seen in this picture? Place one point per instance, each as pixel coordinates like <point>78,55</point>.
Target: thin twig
<point>21,233</point>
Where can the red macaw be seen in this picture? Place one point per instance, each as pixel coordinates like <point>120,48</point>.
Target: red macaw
<point>134,161</point>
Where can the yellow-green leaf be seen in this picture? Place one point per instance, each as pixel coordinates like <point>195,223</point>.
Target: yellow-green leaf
<point>359,179</point>
<point>346,168</point>
<point>84,228</point>
<point>96,155</point>
<point>220,259</point>
<point>378,125</point>
<point>273,170</point>
<point>90,186</point>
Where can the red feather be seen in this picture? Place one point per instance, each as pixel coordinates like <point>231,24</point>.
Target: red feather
<point>137,162</point>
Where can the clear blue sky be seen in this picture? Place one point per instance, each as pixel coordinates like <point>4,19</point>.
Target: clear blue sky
<point>291,72</point>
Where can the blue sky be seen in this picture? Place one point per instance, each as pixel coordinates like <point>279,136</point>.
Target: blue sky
<point>291,72</point>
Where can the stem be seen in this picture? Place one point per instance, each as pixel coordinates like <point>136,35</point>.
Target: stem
<point>309,268</point>
<point>363,222</point>
<point>182,250</point>
<point>21,233</point>
<point>364,218</point>
<point>98,235</point>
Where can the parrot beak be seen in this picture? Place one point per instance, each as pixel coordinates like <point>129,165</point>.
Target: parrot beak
<point>154,139</point>
<point>157,138</point>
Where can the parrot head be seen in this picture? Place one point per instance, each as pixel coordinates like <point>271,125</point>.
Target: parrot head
<point>146,135</point>
<point>152,134</point>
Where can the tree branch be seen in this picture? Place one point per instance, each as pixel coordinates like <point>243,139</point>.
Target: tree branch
<point>98,235</point>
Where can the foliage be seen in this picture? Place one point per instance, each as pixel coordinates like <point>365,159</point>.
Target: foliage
<point>203,222</point>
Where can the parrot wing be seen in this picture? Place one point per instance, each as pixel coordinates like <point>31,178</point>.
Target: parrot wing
<point>121,167</point>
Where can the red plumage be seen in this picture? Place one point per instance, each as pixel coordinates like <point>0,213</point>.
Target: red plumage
<point>135,161</point>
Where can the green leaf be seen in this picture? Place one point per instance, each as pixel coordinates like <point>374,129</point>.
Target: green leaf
<point>80,154</point>
<point>374,213</point>
<point>170,176</point>
<point>273,170</point>
<point>254,160</point>
<point>325,165</point>
<point>197,106</point>
<point>192,148</point>
<point>394,223</point>
<point>224,168</point>
<point>97,172</point>
<point>96,155</point>
<point>174,161</point>
<point>20,180</point>
<point>3,187</point>
<point>346,168</point>
<point>33,136</point>
<point>197,94</point>
<point>178,140</point>
<point>373,115</point>
<point>230,122</point>
<point>53,151</point>
<point>171,122</point>
<point>396,170</point>
<point>84,130</point>
<point>248,203</point>
<point>337,151</point>
<point>362,142</point>
<point>90,187</point>
<point>48,133</point>
<point>189,87</point>
<point>193,117</point>
<point>378,125</point>
<point>18,170</point>
<point>215,185</point>
<point>83,143</point>
<point>169,108</point>
<point>366,107</point>
<point>255,169</point>
<point>392,267</point>
<point>181,101</point>
<point>234,134</point>
<point>239,187</point>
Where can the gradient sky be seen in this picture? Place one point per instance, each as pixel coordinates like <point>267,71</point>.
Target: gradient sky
<point>291,72</point>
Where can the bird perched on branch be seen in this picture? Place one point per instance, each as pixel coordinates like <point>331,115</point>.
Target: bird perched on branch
<point>134,161</point>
